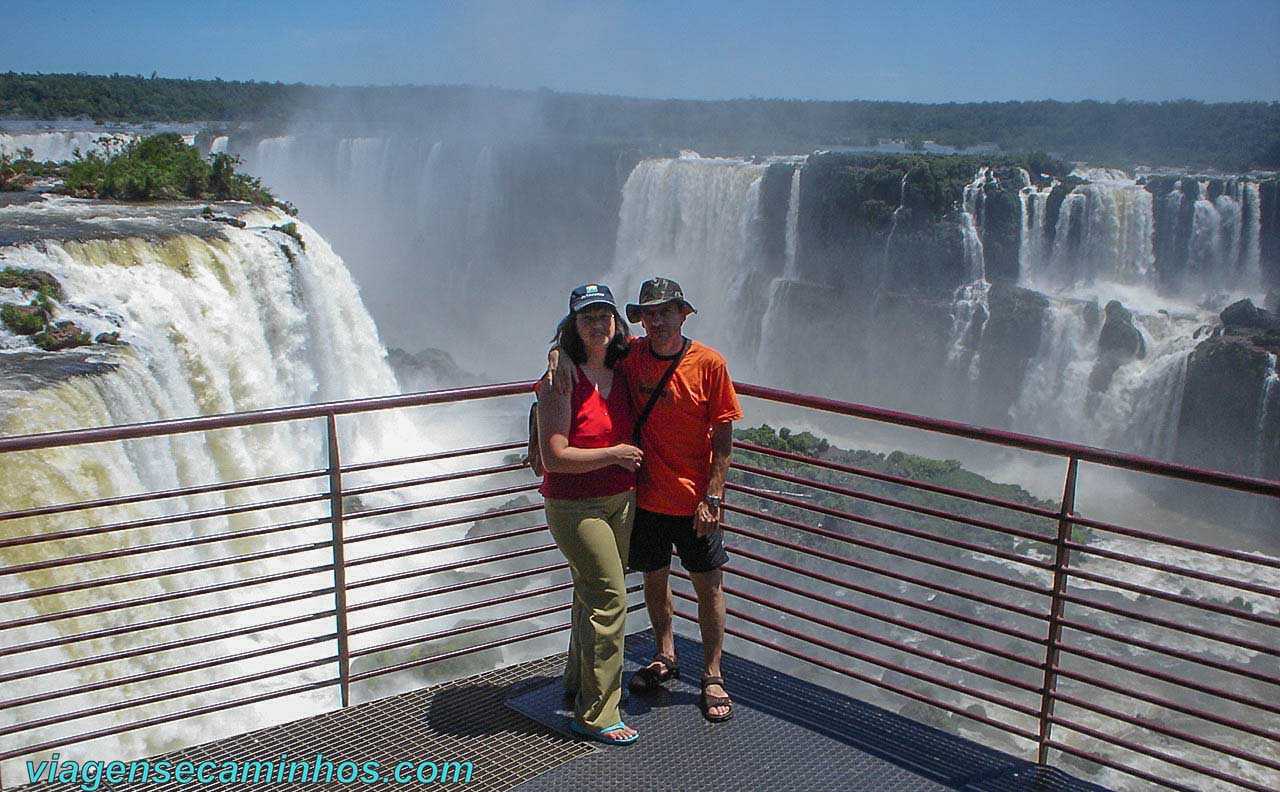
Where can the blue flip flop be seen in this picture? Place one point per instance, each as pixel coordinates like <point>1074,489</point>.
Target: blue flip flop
<point>599,734</point>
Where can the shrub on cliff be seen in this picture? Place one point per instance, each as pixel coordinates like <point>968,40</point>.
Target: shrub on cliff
<point>163,167</point>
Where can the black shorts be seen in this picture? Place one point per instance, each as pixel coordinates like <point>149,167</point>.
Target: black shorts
<point>654,534</point>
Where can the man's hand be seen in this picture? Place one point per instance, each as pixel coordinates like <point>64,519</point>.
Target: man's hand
<point>706,519</point>
<point>560,372</point>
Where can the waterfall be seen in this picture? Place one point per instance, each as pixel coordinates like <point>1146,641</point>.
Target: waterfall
<point>696,220</point>
<point>1267,463</point>
<point>792,268</point>
<point>58,146</point>
<point>1105,231</point>
<point>971,225</point>
<point>228,320</point>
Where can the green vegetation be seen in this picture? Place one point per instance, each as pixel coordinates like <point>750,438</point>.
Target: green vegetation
<point>291,229</point>
<point>162,167</point>
<point>1232,136</point>
<point>22,320</point>
<point>18,173</point>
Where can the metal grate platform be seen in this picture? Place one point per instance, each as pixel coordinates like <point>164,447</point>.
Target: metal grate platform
<point>462,720</point>
<point>785,734</point>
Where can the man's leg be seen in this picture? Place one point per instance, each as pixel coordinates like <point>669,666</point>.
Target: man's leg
<point>710,590</point>
<point>657,598</point>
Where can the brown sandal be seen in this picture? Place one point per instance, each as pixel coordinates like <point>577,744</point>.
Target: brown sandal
<point>706,702</point>
<point>650,679</point>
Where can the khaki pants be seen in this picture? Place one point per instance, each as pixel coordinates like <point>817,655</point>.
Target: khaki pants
<point>594,535</point>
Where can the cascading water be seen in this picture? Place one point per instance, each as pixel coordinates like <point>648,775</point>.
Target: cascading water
<point>215,319</point>
<point>696,220</point>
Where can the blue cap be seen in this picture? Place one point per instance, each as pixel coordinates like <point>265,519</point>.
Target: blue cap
<point>590,294</point>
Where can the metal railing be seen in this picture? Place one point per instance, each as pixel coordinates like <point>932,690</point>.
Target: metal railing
<point>981,607</point>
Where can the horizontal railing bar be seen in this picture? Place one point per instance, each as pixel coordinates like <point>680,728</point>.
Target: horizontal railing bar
<point>889,642</point>
<point>894,598</point>
<point>166,597</point>
<point>875,661</point>
<point>436,457</point>
<point>156,698</point>
<point>867,612</point>
<point>896,529</point>
<point>906,482</point>
<point>436,479</point>
<point>417,639</point>
<point>165,672</point>
<point>888,573</point>
<point>1114,765</point>
<point>1207,577</point>
<point>158,623</point>
<point>473,649</point>
<point>870,680</point>
<point>462,608</point>
<point>1132,641</point>
<point>446,545</point>
<point>1154,754</point>
<point>1190,602</point>
<point>894,551</point>
<point>447,568</point>
<point>1173,541</point>
<point>169,718</point>
<point>1167,731</point>
<point>455,587</point>
<point>165,572</point>
<point>159,547</point>
<point>152,496</point>
<point>152,522</point>
<point>1170,624</point>
<point>1160,701</point>
<point>181,643</point>
<point>890,550</point>
<point>1027,442</point>
<point>911,507</point>
<point>470,496</point>
<point>427,526</point>
<point>1153,673</point>
<point>256,417</point>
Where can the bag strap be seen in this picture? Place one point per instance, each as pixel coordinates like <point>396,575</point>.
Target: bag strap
<point>657,392</point>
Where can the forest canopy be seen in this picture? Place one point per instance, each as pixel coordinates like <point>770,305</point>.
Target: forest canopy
<point>1232,136</point>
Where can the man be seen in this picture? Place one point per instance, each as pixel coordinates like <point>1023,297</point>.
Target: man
<point>687,442</point>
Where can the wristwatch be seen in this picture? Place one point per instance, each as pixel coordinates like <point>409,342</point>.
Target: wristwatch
<point>712,501</point>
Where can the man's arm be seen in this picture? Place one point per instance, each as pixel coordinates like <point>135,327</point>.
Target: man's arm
<point>705,518</point>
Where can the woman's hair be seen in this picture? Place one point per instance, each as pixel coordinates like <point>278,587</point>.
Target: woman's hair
<point>570,342</point>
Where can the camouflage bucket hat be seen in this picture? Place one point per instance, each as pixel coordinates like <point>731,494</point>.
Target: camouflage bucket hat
<point>657,291</point>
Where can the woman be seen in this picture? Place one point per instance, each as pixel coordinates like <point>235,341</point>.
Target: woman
<point>589,490</point>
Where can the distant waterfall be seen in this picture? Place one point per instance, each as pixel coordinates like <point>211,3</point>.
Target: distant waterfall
<point>697,220</point>
<point>1105,231</point>
<point>971,225</point>
<point>792,269</point>
<point>1268,455</point>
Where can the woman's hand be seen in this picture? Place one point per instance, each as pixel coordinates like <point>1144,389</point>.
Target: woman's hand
<point>626,456</point>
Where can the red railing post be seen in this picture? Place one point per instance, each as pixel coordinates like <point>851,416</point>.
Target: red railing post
<point>339,559</point>
<point>1061,563</point>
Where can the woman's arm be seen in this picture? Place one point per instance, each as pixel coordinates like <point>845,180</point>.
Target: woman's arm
<point>553,439</point>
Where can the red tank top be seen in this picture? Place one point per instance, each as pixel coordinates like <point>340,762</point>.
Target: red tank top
<point>595,422</point>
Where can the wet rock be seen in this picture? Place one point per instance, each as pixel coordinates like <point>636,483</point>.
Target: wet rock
<point>1222,404</point>
<point>22,319</point>
<point>111,339</point>
<point>1118,343</point>
<point>1010,341</point>
<point>61,335</point>
<point>1244,314</point>
<point>30,280</point>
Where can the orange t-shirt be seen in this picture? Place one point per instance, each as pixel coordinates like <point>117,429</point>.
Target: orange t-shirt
<point>677,435</point>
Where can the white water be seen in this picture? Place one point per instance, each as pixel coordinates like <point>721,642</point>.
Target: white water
<point>696,220</point>
<point>211,326</point>
<point>57,146</point>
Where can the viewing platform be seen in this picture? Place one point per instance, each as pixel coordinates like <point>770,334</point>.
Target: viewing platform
<point>886,630</point>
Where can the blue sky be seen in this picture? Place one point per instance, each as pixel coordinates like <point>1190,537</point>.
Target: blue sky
<point>927,50</point>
